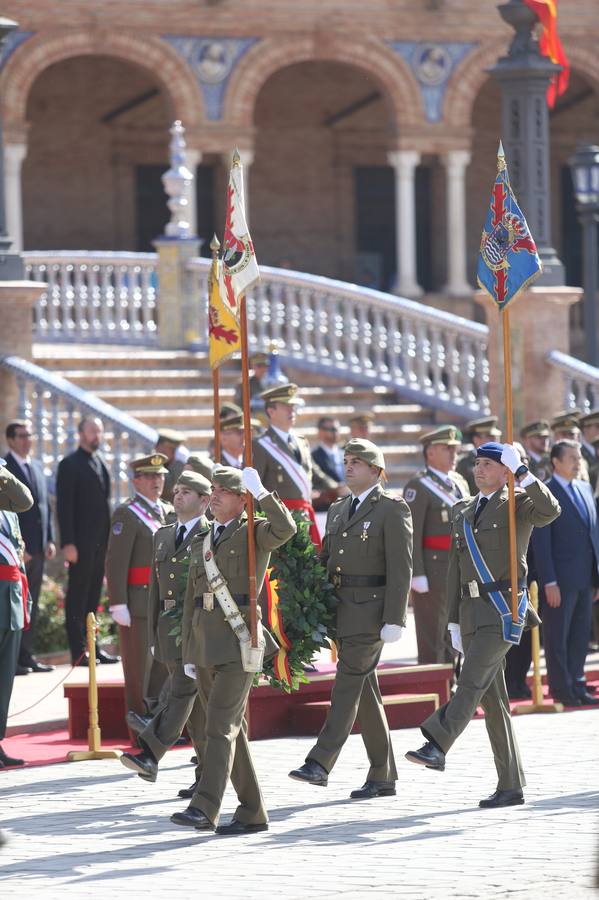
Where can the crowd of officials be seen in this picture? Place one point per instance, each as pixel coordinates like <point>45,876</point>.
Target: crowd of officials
<point>140,547</point>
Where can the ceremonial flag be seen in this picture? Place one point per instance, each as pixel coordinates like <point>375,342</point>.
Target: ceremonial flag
<point>551,46</point>
<point>239,270</point>
<point>508,261</point>
<point>223,331</point>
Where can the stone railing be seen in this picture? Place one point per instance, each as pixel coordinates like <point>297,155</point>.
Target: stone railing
<point>100,297</point>
<point>581,381</point>
<point>54,405</point>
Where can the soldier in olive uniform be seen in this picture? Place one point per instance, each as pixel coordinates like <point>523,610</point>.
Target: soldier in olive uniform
<point>478,432</point>
<point>211,649</point>
<point>15,498</point>
<point>431,496</point>
<point>589,427</point>
<point>179,703</point>
<point>200,463</point>
<point>475,624</point>
<point>565,427</point>
<point>168,444</point>
<point>368,554</point>
<point>128,575</point>
<point>535,438</point>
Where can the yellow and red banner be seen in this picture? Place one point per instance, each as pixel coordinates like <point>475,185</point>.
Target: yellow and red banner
<point>275,621</point>
<point>551,46</point>
<point>239,271</point>
<point>223,331</point>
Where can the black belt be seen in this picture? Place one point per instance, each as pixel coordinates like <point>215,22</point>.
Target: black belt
<point>358,580</point>
<point>240,600</point>
<point>501,586</point>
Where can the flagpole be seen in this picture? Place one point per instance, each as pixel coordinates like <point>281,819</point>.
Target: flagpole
<point>509,427</point>
<point>215,247</point>
<point>247,453</point>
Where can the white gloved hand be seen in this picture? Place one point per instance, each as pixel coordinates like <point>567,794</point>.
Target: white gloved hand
<point>456,637</point>
<point>420,584</point>
<point>120,613</point>
<point>190,670</point>
<point>152,650</point>
<point>511,458</point>
<point>251,482</point>
<point>391,633</point>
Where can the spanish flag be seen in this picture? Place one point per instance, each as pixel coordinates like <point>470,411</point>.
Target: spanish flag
<point>551,46</point>
<point>223,331</point>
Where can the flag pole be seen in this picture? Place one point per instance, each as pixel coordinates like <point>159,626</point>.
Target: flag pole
<point>509,427</point>
<point>247,455</point>
<point>215,247</point>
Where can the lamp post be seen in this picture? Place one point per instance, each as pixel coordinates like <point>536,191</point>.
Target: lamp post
<point>11,264</point>
<point>584,166</point>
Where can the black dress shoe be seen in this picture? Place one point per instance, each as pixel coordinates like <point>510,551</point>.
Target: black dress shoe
<point>36,666</point>
<point>587,699</point>
<point>194,760</point>
<point>236,827</point>
<point>312,772</point>
<point>187,793</point>
<point>503,798</point>
<point>429,756</point>
<point>567,699</point>
<point>22,670</point>
<point>143,764</point>
<point>8,761</point>
<point>106,658</point>
<point>181,741</point>
<point>83,662</point>
<point>136,722</point>
<point>374,789</point>
<point>193,817</point>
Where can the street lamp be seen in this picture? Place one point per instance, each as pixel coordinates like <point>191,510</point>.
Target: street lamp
<point>584,166</point>
<point>11,264</point>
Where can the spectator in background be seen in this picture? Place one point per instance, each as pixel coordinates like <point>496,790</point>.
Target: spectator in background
<point>259,366</point>
<point>83,509</point>
<point>589,427</point>
<point>327,454</point>
<point>565,427</point>
<point>360,425</point>
<point>535,439</point>
<point>169,443</point>
<point>36,530</point>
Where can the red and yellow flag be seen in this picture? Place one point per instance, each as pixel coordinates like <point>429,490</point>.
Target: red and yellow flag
<point>223,331</point>
<point>551,46</point>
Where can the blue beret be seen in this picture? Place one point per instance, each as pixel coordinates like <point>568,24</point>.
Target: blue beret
<point>490,450</point>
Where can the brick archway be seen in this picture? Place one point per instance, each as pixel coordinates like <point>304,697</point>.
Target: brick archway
<point>466,82</point>
<point>389,71</point>
<point>38,53</point>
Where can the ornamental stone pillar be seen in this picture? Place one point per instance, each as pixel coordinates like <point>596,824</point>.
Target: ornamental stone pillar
<point>404,163</point>
<point>456,163</point>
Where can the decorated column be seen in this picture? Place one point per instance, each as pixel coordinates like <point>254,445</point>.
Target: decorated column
<point>404,162</point>
<point>456,162</point>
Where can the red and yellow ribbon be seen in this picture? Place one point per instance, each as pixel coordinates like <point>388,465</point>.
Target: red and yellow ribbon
<point>275,621</point>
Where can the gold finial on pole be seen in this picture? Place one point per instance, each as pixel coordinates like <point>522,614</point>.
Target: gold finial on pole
<point>236,161</point>
<point>214,246</point>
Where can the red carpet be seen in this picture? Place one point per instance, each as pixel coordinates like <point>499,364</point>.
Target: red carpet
<point>49,747</point>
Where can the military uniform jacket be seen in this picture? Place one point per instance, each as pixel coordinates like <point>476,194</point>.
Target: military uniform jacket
<point>590,457</point>
<point>14,495</point>
<point>11,592</point>
<point>208,639</point>
<point>540,468</point>
<point>168,585</point>
<point>276,478</point>
<point>131,545</point>
<point>377,541</point>
<point>431,517</point>
<point>170,479</point>
<point>535,507</point>
<point>465,468</point>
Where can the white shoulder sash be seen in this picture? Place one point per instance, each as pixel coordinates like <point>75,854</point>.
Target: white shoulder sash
<point>435,488</point>
<point>293,469</point>
<point>9,551</point>
<point>144,516</point>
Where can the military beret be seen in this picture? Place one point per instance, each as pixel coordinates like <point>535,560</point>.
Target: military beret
<point>149,465</point>
<point>447,434</point>
<point>486,425</point>
<point>535,429</point>
<point>591,418</point>
<point>259,359</point>
<point>490,450</point>
<point>282,393</point>
<point>228,478</point>
<point>365,450</point>
<point>363,418</point>
<point>195,481</point>
<point>169,436</point>
<point>566,420</point>
<point>200,463</point>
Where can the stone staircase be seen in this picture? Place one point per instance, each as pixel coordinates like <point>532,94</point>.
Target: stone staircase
<point>174,389</point>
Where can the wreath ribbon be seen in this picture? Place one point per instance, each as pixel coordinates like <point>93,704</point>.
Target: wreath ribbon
<point>275,621</point>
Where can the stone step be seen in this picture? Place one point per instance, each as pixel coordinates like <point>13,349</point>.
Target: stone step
<point>180,397</point>
<point>388,423</point>
<point>402,711</point>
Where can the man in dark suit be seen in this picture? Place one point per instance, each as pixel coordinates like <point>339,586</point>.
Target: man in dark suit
<point>82,503</point>
<point>327,454</point>
<point>36,530</point>
<point>567,558</point>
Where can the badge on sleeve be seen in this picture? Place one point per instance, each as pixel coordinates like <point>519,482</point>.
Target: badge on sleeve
<point>117,527</point>
<point>409,495</point>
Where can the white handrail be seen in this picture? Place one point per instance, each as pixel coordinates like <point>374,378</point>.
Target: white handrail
<point>581,381</point>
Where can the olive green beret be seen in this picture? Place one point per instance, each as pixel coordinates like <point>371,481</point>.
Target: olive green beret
<point>196,482</point>
<point>201,463</point>
<point>366,450</point>
<point>228,478</point>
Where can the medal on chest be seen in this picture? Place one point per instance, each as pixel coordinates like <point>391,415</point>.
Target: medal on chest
<point>365,527</point>
<point>444,515</point>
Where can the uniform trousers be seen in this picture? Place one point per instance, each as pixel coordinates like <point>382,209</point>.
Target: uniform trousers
<point>83,594</point>
<point>223,691</point>
<point>179,706</point>
<point>356,694</point>
<point>144,676</point>
<point>566,640</point>
<point>431,612</point>
<point>481,683</point>
<point>9,653</point>
<point>35,571</point>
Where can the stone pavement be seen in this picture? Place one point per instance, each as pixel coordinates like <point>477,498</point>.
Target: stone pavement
<point>90,829</point>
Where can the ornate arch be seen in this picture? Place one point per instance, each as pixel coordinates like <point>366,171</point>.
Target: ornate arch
<point>37,53</point>
<point>466,82</point>
<point>269,56</point>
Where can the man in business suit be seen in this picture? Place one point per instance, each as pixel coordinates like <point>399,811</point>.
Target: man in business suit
<point>367,551</point>
<point>15,497</point>
<point>567,559</point>
<point>36,530</point>
<point>83,510</point>
<point>478,579</point>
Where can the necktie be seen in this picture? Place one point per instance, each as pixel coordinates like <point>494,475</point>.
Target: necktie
<point>159,512</point>
<point>294,447</point>
<point>481,505</point>
<point>578,503</point>
<point>180,536</point>
<point>219,530</point>
<point>353,507</point>
<point>454,489</point>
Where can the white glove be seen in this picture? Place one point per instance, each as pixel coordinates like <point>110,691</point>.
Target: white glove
<point>251,482</point>
<point>391,633</point>
<point>152,650</point>
<point>190,670</point>
<point>456,637</point>
<point>511,458</point>
<point>420,584</point>
<point>120,613</point>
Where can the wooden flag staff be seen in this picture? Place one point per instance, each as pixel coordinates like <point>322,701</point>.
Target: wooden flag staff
<point>215,247</point>
<point>509,428</point>
<point>247,456</point>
